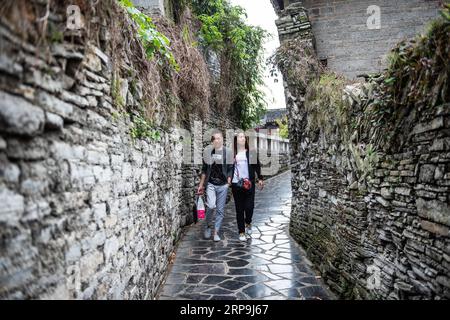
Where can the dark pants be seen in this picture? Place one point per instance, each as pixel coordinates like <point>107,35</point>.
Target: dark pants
<point>244,202</point>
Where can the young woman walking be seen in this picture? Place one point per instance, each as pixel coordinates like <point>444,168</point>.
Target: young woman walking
<point>246,167</point>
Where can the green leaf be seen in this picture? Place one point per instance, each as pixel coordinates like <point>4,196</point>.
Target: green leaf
<point>152,40</point>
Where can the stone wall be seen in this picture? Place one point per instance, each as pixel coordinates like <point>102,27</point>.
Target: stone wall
<point>394,232</point>
<point>151,6</point>
<point>386,237</point>
<point>344,39</point>
<point>88,211</point>
<point>292,21</point>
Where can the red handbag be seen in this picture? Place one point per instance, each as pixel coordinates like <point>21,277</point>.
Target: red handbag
<point>243,183</point>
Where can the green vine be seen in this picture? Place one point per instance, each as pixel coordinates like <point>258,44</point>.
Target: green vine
<point>142,128</point>
<point>153,40</point>
<point>325,107</point>
<point>417,76</point>
<point>225,31</point>
<point>283,125</point>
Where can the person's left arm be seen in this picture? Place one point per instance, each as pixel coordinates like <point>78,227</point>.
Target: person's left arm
<point>230,170</point>
<point>258,172</point>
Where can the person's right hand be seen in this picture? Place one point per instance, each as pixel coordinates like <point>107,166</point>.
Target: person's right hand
<point>261,184</point>
<point>200,190</point>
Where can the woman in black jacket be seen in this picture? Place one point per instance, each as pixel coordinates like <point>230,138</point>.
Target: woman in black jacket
<point>246,166</point>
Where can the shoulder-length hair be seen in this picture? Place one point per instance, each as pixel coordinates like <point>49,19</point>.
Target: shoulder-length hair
<point>235,142</point>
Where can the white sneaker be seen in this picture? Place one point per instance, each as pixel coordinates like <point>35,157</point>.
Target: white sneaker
<point>248,230</point>
<point>216,237</point>
<point>207,233</point>
<point>242,237</point>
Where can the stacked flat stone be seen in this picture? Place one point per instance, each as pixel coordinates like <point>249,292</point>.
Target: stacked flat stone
<point>88,212</point>
<point>292,22</point>
<point>384,238</point>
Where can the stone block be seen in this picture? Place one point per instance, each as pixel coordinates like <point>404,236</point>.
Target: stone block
<point>18,116</point>
<point>382,201</point>
<point>8,65</point>
<point>425,194</point>
<point>442,144</point>
<point>444,281</point>
<point>94,77</point>
<point>402,191</point>
<point>32,187</point>
<point>12,207</point>
<point>111,247</point>
<point>110,221</point>
<point>100,193</point>
<point>62,150</point>
<point>53,121</point>
<point>92,101</point>
<point>435,228</point>
<point>44,81</point>
<point>89,265</point>
<point>97,157</point>
<point>386,193</point>
<point>92,61</point>
<point>426,174</point>
<point>54,105</point>
<point>99,238</point>
<point>99,212</point>
<point>73,254</point>
<point>74,98</point>
<point>85,91</point>
<point>434,210</point>
<point>439,173</point>
<point>3,145</point>
<point>149,6</point>
<point>10,172</point>
<point>429,126</point>
<point>27,149</point>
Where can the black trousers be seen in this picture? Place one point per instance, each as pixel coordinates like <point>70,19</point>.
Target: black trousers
<point>244,202</point>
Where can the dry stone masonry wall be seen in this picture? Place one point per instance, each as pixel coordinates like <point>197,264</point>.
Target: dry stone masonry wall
<point>89,209</point>
<point>388,237</point>
<point>395,232</point>
<point>87,212</point>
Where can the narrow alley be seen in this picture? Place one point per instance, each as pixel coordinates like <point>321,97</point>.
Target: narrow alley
<point>270,265</point>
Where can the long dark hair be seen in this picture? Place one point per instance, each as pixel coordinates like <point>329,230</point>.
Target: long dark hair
<point>235,142</point>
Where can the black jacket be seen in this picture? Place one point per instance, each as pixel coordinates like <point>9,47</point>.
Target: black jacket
<point>227,169</point>
<point>254,166</point>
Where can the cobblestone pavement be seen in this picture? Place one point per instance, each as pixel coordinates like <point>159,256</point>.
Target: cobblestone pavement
<point>270,265</point>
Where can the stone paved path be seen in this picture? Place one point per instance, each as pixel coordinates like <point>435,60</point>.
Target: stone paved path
<point>269,266</point>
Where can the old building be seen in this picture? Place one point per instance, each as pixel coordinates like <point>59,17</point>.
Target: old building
<point>353,37</point>
<point>270,121</point>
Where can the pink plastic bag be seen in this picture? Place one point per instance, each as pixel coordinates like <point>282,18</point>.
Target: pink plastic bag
<point>200,209</point>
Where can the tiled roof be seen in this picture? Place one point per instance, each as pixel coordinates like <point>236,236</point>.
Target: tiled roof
<point>273,114</point>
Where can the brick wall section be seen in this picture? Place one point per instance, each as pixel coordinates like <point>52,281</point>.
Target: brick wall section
<point>342,36</point>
